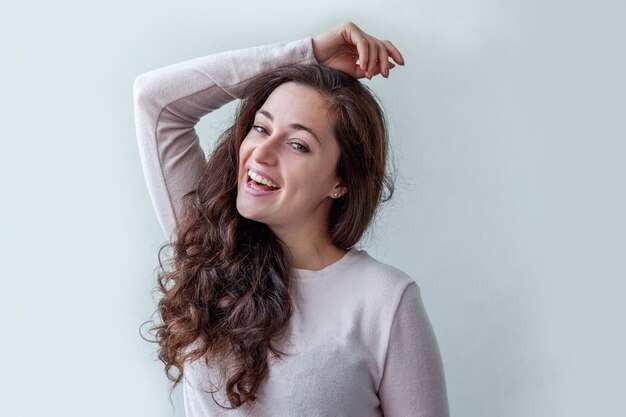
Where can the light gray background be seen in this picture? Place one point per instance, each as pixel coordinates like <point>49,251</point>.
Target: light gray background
<point>507,127</point>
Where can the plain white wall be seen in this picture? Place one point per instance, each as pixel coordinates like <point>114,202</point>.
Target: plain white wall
<point>509,210</point>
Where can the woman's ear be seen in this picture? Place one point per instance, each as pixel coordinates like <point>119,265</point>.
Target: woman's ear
<point>339,191</point>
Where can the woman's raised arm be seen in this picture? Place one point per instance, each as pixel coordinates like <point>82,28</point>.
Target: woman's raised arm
<point>170,101</point>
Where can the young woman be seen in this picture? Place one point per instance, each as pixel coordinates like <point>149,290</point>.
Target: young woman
<point>268,308</point>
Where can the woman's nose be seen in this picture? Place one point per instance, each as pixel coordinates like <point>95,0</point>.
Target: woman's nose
<point>267,151</point>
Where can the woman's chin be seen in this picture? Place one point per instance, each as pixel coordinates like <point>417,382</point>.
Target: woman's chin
<point>249,213</point>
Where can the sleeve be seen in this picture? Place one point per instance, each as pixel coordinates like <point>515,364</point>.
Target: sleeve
<point>413,381</point>
<point>169,102</point>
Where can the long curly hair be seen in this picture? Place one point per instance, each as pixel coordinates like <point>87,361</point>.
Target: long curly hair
<point>225,292</point>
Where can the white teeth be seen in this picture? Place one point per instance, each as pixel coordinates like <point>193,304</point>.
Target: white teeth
<point>260,179</point>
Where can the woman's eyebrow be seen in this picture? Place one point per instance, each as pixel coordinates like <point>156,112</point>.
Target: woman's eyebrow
<point>296,126</point>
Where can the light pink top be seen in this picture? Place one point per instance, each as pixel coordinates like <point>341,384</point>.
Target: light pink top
<point>360,342</point>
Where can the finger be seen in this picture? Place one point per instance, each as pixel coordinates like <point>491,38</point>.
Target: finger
<point>377,71</point>
<point>383,61</point>
<point>359,73</point>
<point>394,52</point>
<point>373,58</point>
<point>363,50</point>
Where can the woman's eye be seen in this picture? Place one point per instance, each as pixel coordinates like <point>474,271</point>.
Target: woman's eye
<point>259,129</point>
<point>299,147</point>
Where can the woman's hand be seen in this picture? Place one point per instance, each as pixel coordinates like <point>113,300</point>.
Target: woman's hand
<point>341,47</point>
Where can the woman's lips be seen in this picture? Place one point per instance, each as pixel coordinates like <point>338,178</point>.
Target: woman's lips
<point>248,187</point>
<point>261,173</point>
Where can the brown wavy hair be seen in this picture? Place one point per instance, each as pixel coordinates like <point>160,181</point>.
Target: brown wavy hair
<point>225,293</point>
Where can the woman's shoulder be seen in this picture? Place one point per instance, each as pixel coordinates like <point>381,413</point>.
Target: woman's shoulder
<point>371,271</point>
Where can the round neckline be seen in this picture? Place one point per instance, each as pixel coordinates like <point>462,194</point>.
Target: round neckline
<point>328,269</point>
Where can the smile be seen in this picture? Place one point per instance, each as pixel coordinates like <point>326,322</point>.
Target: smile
<point>258,185</point>
<point>260,179</point>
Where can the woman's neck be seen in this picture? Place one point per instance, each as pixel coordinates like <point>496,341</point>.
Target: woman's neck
<point>314,257</point>
<point>310,249</point>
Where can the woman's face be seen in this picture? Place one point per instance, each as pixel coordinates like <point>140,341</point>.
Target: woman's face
<point>292,145</point>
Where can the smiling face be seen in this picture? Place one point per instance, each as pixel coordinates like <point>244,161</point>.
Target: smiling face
<point>292,145</point>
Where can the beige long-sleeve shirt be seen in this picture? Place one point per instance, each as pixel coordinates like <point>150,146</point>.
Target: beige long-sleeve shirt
<point>360,341</point>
